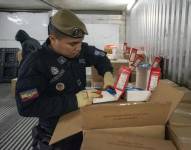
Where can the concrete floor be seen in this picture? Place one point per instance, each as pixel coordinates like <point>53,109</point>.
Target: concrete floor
<point>15,131</point>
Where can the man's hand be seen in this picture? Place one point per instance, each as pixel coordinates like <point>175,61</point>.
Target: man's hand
<point>85,97</point>
<point>108,80</point>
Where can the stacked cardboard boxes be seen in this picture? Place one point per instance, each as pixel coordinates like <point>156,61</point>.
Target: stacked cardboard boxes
<point>123,125</point>
<point>179,127</point>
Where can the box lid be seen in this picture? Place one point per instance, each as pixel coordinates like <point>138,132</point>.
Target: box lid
<point>112,115</point>
<point>116,115</point>
<point>181,116</point>
<point>166,92</point>
<point>67,125</point>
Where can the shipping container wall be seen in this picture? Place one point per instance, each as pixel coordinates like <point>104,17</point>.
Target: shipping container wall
<point>104,29</point>
<point>163,27</point>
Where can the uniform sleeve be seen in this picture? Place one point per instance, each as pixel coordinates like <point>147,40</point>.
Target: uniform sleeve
<point>31,97</point>
<point>97,58</point>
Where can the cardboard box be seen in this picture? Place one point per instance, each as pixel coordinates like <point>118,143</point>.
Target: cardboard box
<point>187,93</point>
<point>165,92</point>
<point>13,86</point>
<point>181,116</point>
<point>156,131</point>
<point>120,114</point>
<point>181,136</point>
<point>114,115</point>
<point>116,66</point>
<point>100,141</point>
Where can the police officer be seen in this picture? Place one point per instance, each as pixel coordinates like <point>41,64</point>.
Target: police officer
<point>28,43</point>
<point>52,80</point>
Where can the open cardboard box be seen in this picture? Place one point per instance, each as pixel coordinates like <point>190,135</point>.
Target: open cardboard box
<point>120,114</point>
<point>114,115</point>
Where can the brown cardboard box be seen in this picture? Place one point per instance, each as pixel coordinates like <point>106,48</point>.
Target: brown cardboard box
<point>156,131</point>
<point>13,86</point>
<point>181,116</point>
<point>118,115</point>
<point>187,93</point>
<point>181,136</point>
<point>116,66</point>
<point>165,92</point>
<point>113,115</point>
<point>94,140</point>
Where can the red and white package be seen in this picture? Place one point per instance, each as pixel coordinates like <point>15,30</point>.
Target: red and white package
<point>133,54</point>
<point>122,80</point>
<point>156,62</point>
<point>128,50</point>
<point>153,78</point>
<point>138,59</point>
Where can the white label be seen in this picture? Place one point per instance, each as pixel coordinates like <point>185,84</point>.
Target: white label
<point>122,80</point>
<point>132,56</point>
<point>153,83</point>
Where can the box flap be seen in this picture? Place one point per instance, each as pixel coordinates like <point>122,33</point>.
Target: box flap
<point>181,116</point>
<point>156,131</point>
<point>67,125</point>
<point>116,115</point>
<point>165,92</point>
<point>100,141</point>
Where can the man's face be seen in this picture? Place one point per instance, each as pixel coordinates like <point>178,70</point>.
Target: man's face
<point>66,46</point>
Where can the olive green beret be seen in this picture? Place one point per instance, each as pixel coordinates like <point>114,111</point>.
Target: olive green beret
<point>68,23</point>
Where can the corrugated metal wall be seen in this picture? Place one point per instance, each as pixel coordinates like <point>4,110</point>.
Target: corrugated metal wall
<point>163,27</point>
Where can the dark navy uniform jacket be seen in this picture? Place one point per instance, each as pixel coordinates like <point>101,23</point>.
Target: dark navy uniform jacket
<point>47,82</point>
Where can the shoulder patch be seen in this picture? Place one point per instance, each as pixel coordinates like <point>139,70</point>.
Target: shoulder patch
<point>99,53</point>
<point>29,95</point>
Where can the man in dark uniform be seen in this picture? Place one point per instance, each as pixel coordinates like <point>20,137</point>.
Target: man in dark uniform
<point>52,80</point>
<point>28,43</point>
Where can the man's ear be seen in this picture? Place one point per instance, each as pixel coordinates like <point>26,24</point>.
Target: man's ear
<point>52,37</point>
